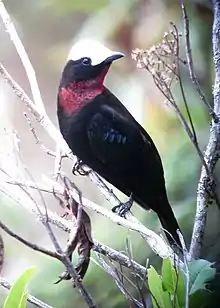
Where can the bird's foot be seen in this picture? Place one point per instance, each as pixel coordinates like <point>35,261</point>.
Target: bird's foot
<point>64,276</point>
<point>78,168</point>
<point>123,208</point>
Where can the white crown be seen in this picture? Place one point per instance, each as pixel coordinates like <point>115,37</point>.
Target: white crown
<point>91,49</point>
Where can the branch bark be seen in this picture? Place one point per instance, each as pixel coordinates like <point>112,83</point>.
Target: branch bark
<point>29,244</point>
<point>212,152</point>
<point>66,225</point>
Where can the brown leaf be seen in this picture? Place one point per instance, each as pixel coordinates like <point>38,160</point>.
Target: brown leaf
<point>82,240</point>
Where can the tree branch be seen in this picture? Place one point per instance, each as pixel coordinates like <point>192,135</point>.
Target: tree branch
<point>157,243</point>
<point>29,244</point>
<point>66,225</point>
<point>212,152</point>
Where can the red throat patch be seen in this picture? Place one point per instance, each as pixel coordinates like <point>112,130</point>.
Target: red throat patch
<point>77,94</point>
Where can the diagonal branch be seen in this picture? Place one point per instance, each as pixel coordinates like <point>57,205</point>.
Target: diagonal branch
<point>66,225</point>
<point>157,243</point>
<point>29,244</point>
<point>23,56</point>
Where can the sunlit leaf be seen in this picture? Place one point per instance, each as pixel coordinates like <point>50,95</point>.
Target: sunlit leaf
<point>159,297</point>
<point>168,276</point>
<point>15,295</point>
<point>173,282</point>
<point>23,302</point>
<point>167,303</point>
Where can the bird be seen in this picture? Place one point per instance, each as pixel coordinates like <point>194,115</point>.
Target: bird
<point>105,136</point>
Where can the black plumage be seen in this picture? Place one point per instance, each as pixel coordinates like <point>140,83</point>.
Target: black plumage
<point>105,136</point>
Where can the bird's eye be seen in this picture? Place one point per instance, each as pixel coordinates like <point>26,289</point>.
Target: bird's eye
<point>86,61</point>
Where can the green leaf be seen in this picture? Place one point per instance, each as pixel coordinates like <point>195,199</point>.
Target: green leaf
<point>159,297</point>
<point>173,282</point>
<point>23,301</point>
<point>200,299</point>
<point>200,273</point>
<point>15,295</point>
<point>181,290</point>
<point>168,276</point>
<point>167,303</point>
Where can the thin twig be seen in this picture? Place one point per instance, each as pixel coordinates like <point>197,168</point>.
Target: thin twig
<point>58,255</point>
<point>190,62</point>
<point>137,282</point>
<point>23,56</point>
<point>58,163</point>
<point>38,141</point>
<point>118,281</point>
<point>156,241</point>
<point>181,85</point>
<point>65,259</point>
<point>193,136</point>
<point>163,78</point>
<point>43,119</point>
<point>29,244</point>
<point>185,258</point>
<point>66,226</point>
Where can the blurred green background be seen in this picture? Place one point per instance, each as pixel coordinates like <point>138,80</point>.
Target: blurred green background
<point>48,28</point>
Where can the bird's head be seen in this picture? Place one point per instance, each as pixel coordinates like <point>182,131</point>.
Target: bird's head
<point>89,59</point>
<point>82,79</point>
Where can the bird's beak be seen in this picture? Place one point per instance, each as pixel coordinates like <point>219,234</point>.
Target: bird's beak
<point>113,57</point>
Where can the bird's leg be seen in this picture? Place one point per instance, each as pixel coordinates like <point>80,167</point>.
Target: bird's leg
<point>123,208</point>
<point>65,275</point>
<point>78,168</point>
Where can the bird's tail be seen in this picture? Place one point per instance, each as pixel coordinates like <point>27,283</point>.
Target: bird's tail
<point>170,226</point>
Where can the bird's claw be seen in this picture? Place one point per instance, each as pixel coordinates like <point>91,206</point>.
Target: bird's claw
<point>64,276</point>
<point>78,168</point>
<point>123,208</point>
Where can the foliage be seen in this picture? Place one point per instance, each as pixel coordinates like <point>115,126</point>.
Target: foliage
<point>174,287</point>
<point>17,296</point>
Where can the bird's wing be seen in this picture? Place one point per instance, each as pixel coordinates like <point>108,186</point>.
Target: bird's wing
<point>114,138</point>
